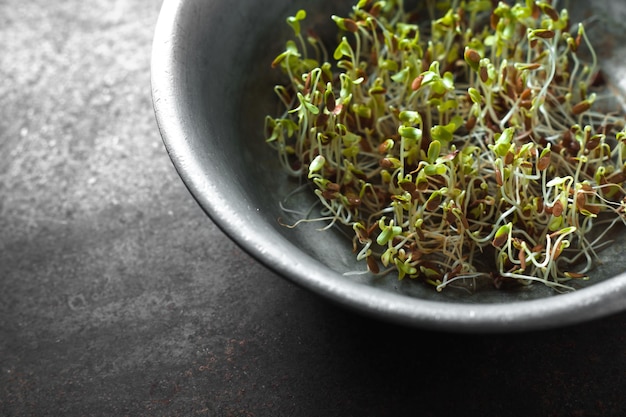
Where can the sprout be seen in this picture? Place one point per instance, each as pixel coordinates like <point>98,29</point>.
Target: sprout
<point>468,147</point>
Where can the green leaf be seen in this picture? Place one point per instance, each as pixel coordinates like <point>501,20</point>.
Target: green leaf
<point>503,142</point>
<point>410,132</point>
<point>294,21</point>
<point>448,81</point>
<point>410,117</point>
<point>433,151</point>
<point>388,232</point>
<point>448,105</point>
<point>475,95</point>
<point>291,50</point>
<point>343,49</point>
<point>441,133</point>
<point>388,64</point>
<point>350,138</point>
<point>404,268</point>
<point>307,104</point>
<point>401,76</point>
<point>555,223</point>
<point>387,257</point>
<point>435,169</point>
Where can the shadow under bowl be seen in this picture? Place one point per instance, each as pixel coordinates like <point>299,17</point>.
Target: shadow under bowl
<point>212,86</point>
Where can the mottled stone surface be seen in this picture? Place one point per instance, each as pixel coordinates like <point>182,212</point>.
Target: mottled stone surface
<point>119,297</point>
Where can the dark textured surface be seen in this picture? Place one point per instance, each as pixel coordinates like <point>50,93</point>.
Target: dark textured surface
<point>119,297</point>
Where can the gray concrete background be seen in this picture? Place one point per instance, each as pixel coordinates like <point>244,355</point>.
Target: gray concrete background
<point>118,297</point>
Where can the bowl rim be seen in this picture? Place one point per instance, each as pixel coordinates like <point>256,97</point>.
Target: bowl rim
<point>598,300</point>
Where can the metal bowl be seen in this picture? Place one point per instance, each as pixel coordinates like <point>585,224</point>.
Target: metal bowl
<point>212,86</point>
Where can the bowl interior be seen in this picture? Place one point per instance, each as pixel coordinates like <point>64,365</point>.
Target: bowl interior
<point>213,86</point>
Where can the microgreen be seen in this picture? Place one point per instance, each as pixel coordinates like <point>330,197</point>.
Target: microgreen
<point>464,146</point>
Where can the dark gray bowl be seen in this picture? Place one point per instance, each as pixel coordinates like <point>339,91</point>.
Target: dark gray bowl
<point>212,87</point>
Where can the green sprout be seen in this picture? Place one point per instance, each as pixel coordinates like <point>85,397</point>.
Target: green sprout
<point>466,146</point>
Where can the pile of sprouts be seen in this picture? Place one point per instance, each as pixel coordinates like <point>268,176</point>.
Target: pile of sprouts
<point>459,141</point>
